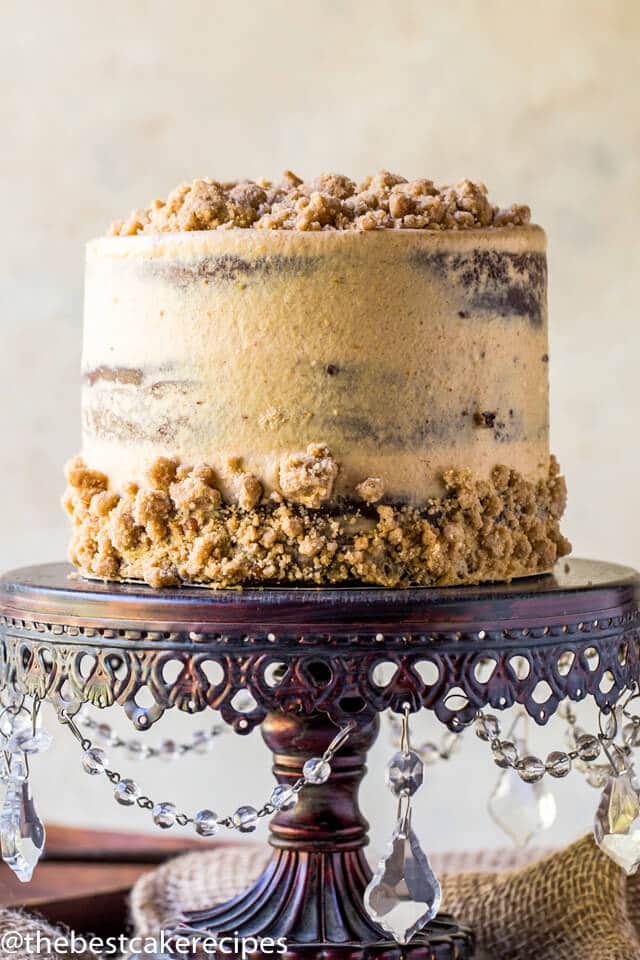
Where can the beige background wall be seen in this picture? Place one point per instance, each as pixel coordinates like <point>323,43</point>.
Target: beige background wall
<point>105,106</point>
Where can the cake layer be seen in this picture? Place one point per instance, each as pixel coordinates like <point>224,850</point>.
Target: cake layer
<point>405,353</point>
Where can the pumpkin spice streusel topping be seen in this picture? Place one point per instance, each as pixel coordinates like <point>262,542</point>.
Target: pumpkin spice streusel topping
<point>176,528</point>
<point>330,202</point>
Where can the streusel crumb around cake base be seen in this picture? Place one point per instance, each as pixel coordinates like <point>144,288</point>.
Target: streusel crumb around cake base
<point>177,529</point>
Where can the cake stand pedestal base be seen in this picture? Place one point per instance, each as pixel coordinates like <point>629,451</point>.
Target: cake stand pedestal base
<point>311,893</point>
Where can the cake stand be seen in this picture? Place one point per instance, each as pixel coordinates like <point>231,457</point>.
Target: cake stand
<point>310,658</point>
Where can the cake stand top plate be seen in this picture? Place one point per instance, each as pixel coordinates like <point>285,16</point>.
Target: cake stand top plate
<point>586,589</point>
<point>571,633</point>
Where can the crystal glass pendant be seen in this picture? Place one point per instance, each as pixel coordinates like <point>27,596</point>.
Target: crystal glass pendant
<point>316,770</point>
<point>283,797</point>
<point>631,734</point>
<point>169,750</point>
<point>521,809</point>
<point>504,753</point>
<point>126,792</point>
<point>245,819</point>
<point>617,823</point>
<point>11,723</point>
<point>206,823</point>
<point>558,764</point>
<point>16,769</point>
<point>135,751</point>
<point>202,742</point>
<point>24,740</point>
<point>487,727</point>
<point>164,815</point>
<point>404,893</point>
<point>405,773</point>
<point>597,775</point>
<point>95,761</point>
<point>22,833</point>
<point>588,747</point>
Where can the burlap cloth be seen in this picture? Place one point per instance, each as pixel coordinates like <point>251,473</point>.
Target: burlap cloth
<point>571,904</point>
<point>575,904</point>
<point>23,935</point>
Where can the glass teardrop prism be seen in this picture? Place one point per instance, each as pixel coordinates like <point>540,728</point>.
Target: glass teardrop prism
<point>404,893</point>
<point>22,832</point>
<point>617,823</point>
<point>521,809</point>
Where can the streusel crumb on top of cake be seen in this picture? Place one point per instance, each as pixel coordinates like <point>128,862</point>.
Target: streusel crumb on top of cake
<point>330,202</point>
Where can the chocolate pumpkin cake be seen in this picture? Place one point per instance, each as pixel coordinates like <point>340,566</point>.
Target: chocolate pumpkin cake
<point>316,383</point>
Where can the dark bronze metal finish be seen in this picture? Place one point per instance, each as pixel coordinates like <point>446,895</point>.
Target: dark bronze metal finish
<point>308,650</point>
<point>313,659</point>
<point>312,890</point>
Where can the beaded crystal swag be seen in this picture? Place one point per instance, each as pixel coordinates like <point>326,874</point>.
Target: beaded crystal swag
<point>404,893</point>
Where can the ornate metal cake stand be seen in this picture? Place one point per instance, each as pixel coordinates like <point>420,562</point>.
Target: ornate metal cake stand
<point>311,660</point>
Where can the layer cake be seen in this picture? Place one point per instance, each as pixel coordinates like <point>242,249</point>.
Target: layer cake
<point>317,383</point>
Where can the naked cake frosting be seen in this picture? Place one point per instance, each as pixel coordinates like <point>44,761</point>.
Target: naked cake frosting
<point>317,383</point>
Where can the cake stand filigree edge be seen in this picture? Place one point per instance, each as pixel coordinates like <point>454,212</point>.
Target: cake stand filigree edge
<point>587,646</point>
